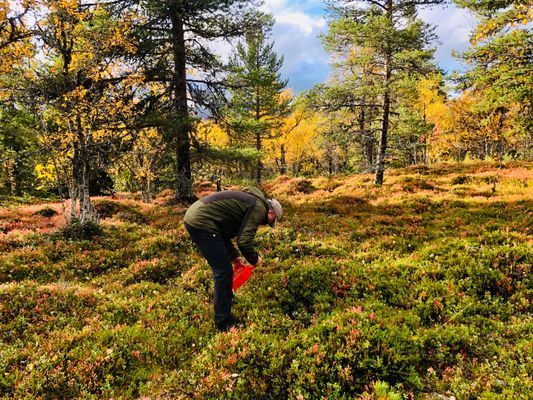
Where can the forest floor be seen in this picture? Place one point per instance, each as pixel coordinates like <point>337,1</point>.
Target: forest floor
<point>419,289</point>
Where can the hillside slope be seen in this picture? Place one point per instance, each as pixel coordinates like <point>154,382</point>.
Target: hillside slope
<point>417,289</point>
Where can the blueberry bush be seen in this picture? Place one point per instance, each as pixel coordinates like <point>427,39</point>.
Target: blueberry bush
<point>419,289</point>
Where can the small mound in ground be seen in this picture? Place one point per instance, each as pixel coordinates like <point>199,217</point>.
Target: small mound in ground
<point>290,186</point>
<point>46,212</point>
<point>122,211</point>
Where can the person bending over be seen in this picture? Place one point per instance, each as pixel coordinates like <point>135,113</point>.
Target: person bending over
<point>219,217</point>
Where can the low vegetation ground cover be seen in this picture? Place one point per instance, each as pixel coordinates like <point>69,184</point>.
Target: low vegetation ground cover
<point>419,289</point>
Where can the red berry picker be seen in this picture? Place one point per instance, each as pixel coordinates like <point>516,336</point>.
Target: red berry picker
<point>212,222</point>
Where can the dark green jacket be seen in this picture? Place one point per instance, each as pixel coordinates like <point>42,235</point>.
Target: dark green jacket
<point>232,213</point>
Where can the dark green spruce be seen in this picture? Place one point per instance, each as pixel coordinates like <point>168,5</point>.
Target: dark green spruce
<point>257,106</point>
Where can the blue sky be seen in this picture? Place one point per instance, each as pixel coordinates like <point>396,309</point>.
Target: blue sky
<point>299,23</point>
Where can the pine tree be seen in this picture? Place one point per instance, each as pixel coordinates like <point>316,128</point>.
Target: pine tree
<point>257,106</point>
<point>499,67</point>
<point>385,42</point>
<point>174,50</point>
<point>351,110</point>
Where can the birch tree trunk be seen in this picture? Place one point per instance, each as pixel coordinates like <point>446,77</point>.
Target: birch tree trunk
<point>81,173</point>
<point>146,189</point>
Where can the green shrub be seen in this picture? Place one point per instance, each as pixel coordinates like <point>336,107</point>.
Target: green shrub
<point>46,212</point>
<point>306,287</point>
<point>304,186</point>
<point>76,230</point>
<point>26,306</point>
<point>158,271</point>
<point>131,216</point>
<point>124,212</point>
<point>376,295</point>
<point>382,391</point>
<point>460,180</point>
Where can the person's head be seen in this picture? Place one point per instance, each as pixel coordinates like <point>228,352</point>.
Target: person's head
<point>275,212</point>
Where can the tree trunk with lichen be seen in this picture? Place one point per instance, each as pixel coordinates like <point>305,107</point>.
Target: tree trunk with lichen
<point>382,152</point>
<point>181,127</point>
<point>146,189</point>
<point>80,172</point>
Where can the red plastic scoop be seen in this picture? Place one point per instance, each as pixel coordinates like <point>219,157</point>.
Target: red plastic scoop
<point>241,273</point>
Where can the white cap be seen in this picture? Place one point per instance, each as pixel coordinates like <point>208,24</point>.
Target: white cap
<point>278,210</point>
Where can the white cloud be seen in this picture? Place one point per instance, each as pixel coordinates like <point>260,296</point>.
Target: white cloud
<point>296,13</point>
<point>453,27</point>
<point>273,5</point>
<point>298,24</point>
<point>304,22</point>
<point>297,45</point>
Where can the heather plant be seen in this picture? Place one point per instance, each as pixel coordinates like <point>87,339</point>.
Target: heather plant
<point>123,211</point>
<point>365,292</point>
<point>46,212</point>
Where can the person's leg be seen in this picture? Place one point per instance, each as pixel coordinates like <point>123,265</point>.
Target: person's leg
<point>213,247</point>
<point>234,254</point>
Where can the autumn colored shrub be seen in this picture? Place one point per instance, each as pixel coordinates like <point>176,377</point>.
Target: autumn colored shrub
<point>365,292</point>
<point>123,211</point>
<point>412,185</point>
<point>10,224</point>
<point>304,186</point>
<point>460,180</point>
<point>46,212</point>
<point>77,230</point>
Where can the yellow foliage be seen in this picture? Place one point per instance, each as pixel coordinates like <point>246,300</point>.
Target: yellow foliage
<point>12,53</point>
<point>298,138</point>
<point>212,134</point>
<point>286,94</point>
<point>143,160</point>
<point>82,116</point>
<point>4,8</point>
<point>45,173</point>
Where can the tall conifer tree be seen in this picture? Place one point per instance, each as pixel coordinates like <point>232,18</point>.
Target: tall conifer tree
<point>386,41</point>
<point>257,106</point>
<point>500,68</point>
<point>175,50</point>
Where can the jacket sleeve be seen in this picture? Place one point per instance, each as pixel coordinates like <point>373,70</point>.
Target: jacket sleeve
<point>249,226</point>
<point>233,253</point>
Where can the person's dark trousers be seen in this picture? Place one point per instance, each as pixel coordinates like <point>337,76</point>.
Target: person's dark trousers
<point>214,249</point>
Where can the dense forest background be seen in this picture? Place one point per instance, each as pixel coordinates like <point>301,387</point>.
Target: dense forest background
<point>105,96</point>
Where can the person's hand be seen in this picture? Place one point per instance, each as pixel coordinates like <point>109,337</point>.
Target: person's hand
<point>238,261</point>
<point>259,261</point>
